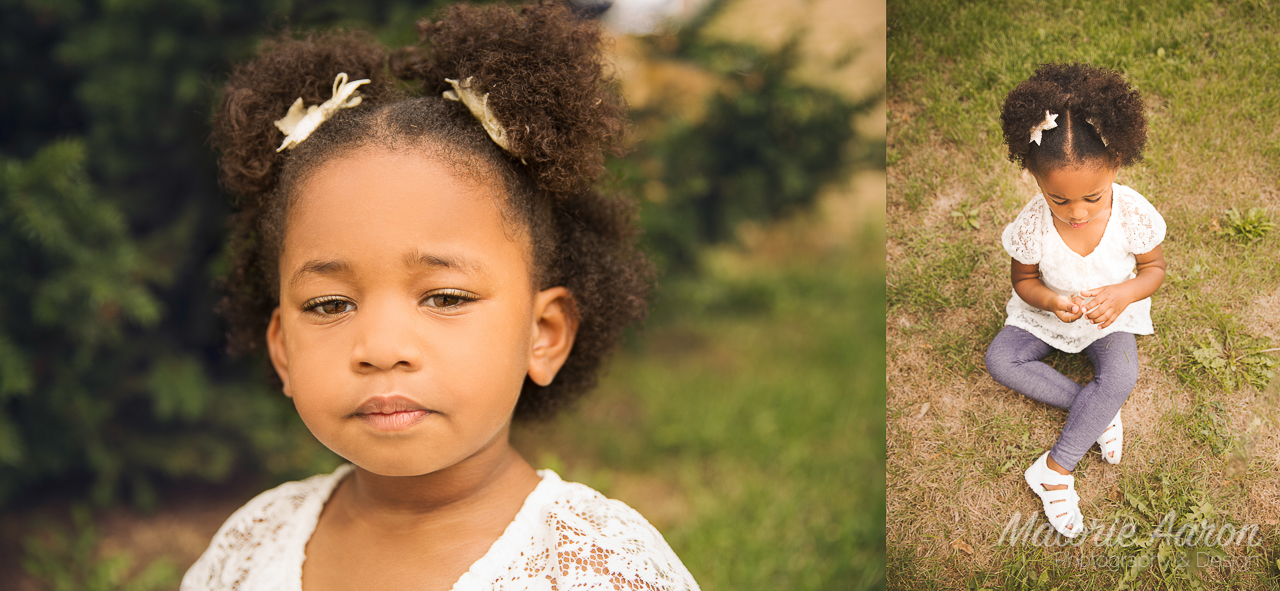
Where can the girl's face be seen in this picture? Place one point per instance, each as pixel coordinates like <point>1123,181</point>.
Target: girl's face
<point>408,319</point>
<point>1077,196</point>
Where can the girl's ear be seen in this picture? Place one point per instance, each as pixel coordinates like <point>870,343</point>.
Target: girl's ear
<point>555,324</point>
<point>276,350</point>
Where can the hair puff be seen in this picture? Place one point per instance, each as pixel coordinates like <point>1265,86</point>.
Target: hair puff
<point>260,91</point>
<point>1101,118</point>
<point>541,68</point>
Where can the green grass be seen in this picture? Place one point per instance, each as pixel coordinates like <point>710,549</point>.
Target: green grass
<point>1202,407</point>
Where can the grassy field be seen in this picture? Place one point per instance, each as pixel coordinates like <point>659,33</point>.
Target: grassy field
<point>1202,431</point>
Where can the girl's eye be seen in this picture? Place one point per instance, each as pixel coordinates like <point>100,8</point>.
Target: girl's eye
<point>449,299</point>
<point>329,306</point>
<point>1060,203</point>
<point>1094,200</point>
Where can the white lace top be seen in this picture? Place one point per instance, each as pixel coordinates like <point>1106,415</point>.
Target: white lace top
<point>1135,227</point>
<point>565,536</point>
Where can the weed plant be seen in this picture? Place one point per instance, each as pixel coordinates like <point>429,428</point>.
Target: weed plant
<point>1249,227</point>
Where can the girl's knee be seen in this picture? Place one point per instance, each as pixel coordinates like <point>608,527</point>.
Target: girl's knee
<point>1002,364</point>
<point>996,360</point>
<point>1121,377</point>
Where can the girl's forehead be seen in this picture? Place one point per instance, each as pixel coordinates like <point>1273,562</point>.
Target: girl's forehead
<point>391,204</point>
<point>1071,182</point>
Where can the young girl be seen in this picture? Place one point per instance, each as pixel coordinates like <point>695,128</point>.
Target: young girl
<point>422,246</point>
<point>1086,259</point>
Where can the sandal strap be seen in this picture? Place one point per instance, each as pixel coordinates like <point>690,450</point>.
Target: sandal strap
<point>1050,476</point>
<point>1061,518</point>
<point>1058,496</point>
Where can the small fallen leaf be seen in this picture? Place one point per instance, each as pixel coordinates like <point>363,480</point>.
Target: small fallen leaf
<point>963,546</point>
<point>923,409</point>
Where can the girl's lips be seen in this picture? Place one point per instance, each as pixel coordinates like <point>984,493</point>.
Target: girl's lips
<point>1079,225</point>
<point>394,421</point>
<point>391,413</point>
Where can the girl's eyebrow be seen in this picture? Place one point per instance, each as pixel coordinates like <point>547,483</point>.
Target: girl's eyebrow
<point>319,267</point>
<point>433,261</point>
<point>1099,193</point>
<point>414,259</point>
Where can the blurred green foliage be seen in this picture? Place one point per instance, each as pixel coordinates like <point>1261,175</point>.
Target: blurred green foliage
<point>765,147</point>
<point>112,365</point>
<point>112,368</point>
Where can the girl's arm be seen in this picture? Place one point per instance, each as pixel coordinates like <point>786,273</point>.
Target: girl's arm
<point>1108,302</point>
<point>1029,287</point>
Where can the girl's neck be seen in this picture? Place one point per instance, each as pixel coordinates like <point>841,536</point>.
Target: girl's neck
<point>495,478</point>
<point>416,531</point>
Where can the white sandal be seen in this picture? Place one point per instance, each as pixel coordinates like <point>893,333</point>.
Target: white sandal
<point>1062,507</point>
<point>1112,441</point>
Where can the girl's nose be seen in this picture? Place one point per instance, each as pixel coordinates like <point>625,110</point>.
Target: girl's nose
<point>386,341</point>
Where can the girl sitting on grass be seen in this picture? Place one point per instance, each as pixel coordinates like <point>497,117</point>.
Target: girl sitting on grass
<point>427,257</point>
<point>1085,260</point>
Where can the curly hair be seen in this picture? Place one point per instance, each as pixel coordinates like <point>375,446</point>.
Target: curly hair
<point>1101,118</point>
<point>542,69</point>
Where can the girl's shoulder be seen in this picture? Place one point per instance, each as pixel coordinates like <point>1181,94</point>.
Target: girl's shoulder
<point>571,534</point>
<point>1023,238</point>
<point>1143,227</point>
<point>261,534</point>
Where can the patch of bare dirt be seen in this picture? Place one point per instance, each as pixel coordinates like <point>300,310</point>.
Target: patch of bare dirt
<point>1263,315</point>
<point>942,205</point>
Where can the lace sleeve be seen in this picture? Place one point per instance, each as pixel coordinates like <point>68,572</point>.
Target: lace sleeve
<point>1143,226</point>
<point>607,545</point>
<point>571,537</point>
<point>1024,238</point>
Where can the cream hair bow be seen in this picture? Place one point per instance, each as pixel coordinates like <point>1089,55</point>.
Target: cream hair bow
<point>478,104</point>
<point>1050,122</point>
<point>298,124</point>
<point>1098,128</point>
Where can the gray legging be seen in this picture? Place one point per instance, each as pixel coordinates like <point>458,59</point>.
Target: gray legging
<point>1013,360</point>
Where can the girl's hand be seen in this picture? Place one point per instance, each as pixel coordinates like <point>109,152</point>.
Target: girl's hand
<point>1107,304</point>
<point>1066,309</point>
